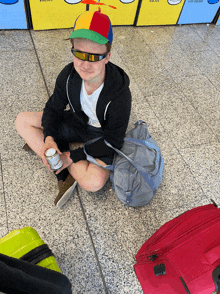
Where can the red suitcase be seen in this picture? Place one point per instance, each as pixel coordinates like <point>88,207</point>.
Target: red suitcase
<point>183,256</point>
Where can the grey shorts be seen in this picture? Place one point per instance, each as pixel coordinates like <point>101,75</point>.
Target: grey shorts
<point>67,134</point>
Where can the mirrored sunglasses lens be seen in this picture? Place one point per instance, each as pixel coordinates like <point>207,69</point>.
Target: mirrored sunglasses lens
<point>93,58</point>
<point>86,56</point>
<point>80,55</point>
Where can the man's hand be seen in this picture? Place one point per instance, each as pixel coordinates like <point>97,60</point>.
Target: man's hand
<point>67,161</point>
<point>49,143</point>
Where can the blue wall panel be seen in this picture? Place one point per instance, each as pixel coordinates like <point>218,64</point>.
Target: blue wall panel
<point>12,14</point>
<point>198,11</point>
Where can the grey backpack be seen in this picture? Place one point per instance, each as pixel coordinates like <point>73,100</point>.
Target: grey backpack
<point>137,168</point>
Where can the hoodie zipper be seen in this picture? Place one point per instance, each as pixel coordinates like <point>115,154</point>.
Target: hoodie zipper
<point>67,92</point>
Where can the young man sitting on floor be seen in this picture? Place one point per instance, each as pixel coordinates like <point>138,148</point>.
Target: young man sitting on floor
<point>99,97</point>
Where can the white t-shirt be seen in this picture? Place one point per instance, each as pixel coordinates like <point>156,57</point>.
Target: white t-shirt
<point>88,104</point>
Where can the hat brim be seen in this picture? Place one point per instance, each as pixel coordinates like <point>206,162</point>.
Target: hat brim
<point>91,35</point>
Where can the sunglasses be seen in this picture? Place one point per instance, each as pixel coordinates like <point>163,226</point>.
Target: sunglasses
<point>88,56</point>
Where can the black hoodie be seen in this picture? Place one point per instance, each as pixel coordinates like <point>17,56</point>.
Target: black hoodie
<point>113,109</point>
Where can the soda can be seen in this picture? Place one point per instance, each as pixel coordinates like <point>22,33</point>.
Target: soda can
<point>53,158</point>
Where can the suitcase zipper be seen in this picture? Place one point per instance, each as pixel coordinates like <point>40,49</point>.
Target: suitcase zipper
<point>37,254</point>
<point>198,226</point>
<point>184,285</point>
<point>153,255</point>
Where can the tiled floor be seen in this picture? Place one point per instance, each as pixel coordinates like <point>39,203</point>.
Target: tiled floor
<point>175,84</point>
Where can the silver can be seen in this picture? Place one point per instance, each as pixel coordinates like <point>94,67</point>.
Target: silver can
<point>53,158</point>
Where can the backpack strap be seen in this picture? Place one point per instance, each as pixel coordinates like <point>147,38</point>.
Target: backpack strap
<point>141,169</point>
<point>92,159</point>
<point>149,179</point>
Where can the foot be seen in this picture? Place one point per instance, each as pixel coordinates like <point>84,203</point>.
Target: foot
<point>60,184</point>
<point>66,190</point>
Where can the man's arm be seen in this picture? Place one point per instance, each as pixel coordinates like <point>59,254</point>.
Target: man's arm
<point>53,111</point>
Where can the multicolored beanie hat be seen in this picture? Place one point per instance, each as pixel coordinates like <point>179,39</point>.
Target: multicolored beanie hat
<point>94,26</point>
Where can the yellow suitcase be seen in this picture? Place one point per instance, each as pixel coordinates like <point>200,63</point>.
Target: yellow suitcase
<point>25,244</point>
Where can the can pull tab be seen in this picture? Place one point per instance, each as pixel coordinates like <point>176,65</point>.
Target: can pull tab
<point>152,257</point>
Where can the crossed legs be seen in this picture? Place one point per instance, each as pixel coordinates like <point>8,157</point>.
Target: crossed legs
<point>89,176</point>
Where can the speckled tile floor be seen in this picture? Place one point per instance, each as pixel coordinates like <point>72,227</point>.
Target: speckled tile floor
<point>174,73</point>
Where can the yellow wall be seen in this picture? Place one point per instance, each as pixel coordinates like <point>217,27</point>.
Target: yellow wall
<point>159,12</point>
<point>54,14</point>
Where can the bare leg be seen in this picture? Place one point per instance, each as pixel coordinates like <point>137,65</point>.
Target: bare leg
<point>89,176</point>
<point>28,125</point>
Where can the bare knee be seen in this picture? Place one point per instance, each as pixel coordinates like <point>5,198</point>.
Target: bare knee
<point>20,121</point>
<point>92,184</point>
<point>89,176</point>
<point>28,119</point>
